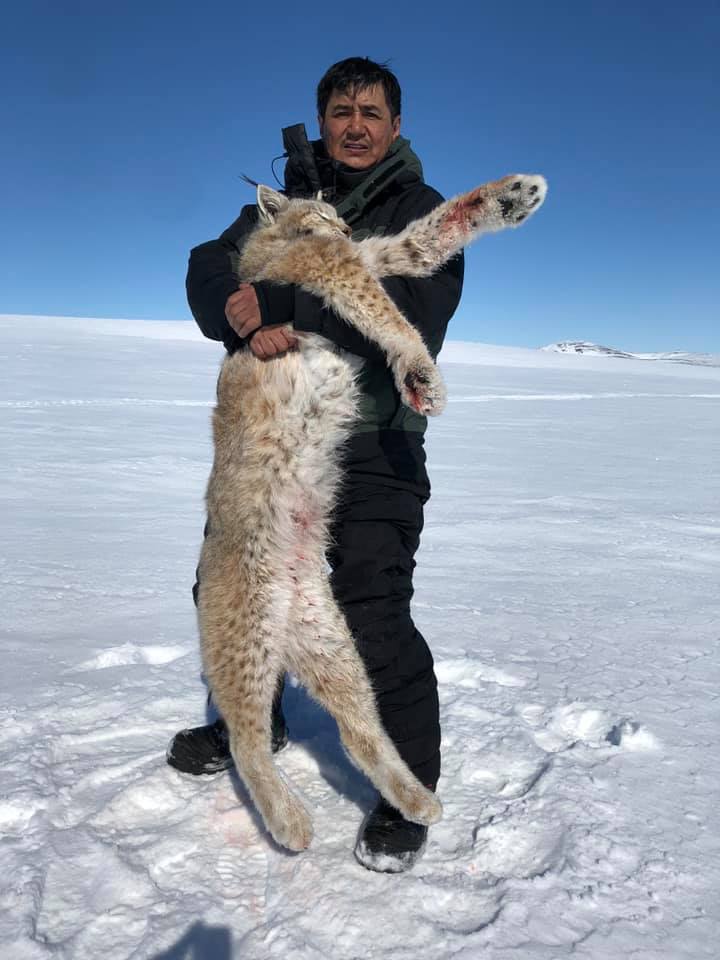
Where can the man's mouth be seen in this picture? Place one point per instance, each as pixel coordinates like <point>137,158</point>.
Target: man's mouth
<point>355,147</point>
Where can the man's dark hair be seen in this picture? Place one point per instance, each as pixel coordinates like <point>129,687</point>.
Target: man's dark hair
<point>356,74</point>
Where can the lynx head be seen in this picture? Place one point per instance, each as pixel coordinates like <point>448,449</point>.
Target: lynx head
<point>299,218</point>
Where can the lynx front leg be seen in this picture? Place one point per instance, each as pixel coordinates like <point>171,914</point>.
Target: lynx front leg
<point>327,662</point>
<point>491,207</point>
<point>420,384</point>
<point>426,244</point>
<point>335,271</point>
<point>361,300</point>
<point>504,203</point>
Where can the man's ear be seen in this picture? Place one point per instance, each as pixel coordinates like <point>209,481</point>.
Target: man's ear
<point>270,203</point>
<point>396,127</point>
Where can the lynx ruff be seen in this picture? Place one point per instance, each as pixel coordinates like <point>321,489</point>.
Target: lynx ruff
<point>265,604</point>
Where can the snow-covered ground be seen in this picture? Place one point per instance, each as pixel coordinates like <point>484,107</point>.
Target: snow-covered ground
<point>568,583</point>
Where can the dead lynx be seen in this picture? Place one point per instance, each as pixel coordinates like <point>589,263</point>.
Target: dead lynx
<point>265,604</point>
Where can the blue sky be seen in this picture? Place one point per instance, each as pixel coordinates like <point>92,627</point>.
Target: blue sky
<point>126,127</point>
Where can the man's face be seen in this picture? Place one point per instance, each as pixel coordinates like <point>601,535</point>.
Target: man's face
<point>357,127</point>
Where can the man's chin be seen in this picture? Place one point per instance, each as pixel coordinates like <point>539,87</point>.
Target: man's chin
<point>357,160</point>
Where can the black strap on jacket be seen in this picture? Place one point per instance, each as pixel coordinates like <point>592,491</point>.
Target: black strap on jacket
<point>353,206</point>
<point>298,146</point>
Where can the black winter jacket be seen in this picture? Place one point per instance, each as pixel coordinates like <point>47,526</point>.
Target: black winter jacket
<point>427,303</point>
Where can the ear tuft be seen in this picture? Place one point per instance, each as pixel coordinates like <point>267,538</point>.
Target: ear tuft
<point>270,203</point>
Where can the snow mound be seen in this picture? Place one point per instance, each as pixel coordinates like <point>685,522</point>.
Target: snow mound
<point>130,653</point>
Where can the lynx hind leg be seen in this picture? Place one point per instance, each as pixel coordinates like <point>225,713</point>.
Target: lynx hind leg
<point>243,685</point>
<point>247,715</point>
<point>329,665</point>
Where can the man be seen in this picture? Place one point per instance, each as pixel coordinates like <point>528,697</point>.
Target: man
<point>375,182</point>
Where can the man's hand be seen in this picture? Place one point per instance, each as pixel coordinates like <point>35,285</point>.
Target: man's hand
<point>243,315</point>
<point>242,310</point>
<point>271,340</point>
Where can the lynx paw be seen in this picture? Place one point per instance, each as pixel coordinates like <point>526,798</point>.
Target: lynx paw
<point>416,803</point>
<point>294,830</point>
<point>518,196</point>
<point>421,386</point>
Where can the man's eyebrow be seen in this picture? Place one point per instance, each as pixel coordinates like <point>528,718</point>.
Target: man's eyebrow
<point>365,107</point>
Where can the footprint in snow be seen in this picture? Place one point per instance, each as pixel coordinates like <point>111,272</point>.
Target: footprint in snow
<point>466,672</point>
<point>17,812</point>
<point>461,908</point>
<point>154,800</point>
<point>131,653</point>
<point>518,846</point>
<point>506,768</point>
<point>632,736</point>
<point>573,723</point>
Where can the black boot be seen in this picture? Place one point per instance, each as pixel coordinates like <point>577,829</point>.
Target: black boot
<point>206,749</point>
<point>388,843</point>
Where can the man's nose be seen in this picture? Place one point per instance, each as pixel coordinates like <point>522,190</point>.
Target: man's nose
<point>356,123</point>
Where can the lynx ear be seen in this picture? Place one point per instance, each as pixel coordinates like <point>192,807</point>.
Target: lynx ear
<point>319,195</point>
<point>270,203</point>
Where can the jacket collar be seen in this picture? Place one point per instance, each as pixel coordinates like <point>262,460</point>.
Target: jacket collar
<point>309,169</point>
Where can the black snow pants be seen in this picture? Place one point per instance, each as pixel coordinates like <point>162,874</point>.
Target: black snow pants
<point>375,534</point>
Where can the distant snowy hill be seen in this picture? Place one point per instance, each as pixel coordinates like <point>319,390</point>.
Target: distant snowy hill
<point>597,350</point>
